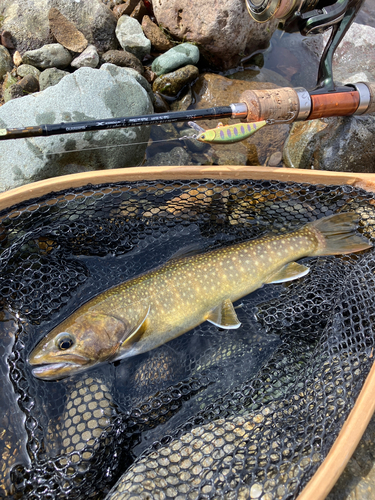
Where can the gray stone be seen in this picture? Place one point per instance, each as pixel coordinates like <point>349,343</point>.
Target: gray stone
<point>339,144</point>
<point>5,61</point>
<point>87,94</point>
<point>181,55</point>
<point>113,69</point>
<point>131,37</point>
<point>27,69</point>
<point>28,22</point>
<point>52,55</point>
<point>89,58</point>
<point>50,77</point>
<point>13,92</point>
<point>177,156</point>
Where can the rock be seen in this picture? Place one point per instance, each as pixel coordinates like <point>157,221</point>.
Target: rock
<point>177,156</point>
<point>178,56</point>
<point>87,94</point>
<point>5,61</point>
<point>17,59</point>
<point>27,69</point>
<point>183,103</point>
<point>130,35</point>
<point>125,8</point>
<point>224,32</point>
<point>88,58</point>
<point>215,90</point>
<point>124,59</point>
<point>171,84</point>
<point>13,92</point>
<point>50,77</point>
<point>135,74</point>
<point>27,85</point>
<point>139,11</point>
<point>260,75</point>
<point>53,55</point>
<point>28,22</point>
<point>65,32</point>
<point>339,144</point>
<point>149,74</point>
<point>161,105</point>
<point>275,159</point>
<point>6,40</point>
<point>158,39</point>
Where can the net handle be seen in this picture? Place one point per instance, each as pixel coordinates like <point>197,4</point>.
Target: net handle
<point>346,442</point>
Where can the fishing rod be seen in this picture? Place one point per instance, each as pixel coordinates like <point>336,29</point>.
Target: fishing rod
<point>280,105</point>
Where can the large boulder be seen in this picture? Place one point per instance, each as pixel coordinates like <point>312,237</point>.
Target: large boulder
<point>29,24</point>
<point>223,32</point>
<point>88,94</point>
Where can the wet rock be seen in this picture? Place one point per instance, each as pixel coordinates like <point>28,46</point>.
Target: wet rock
<point>158,39</point>
<point>5,61</point>
<point>192,144</point>
<point>171,84</point>
<point>66,32</point>
<point>177,156</point>
<point>178,56</point>
<point>6,39</point>
<point>27,69</point>
<point>338,144</point>
<point>216,90</point>
<point>89,58</point>
<point>53,55</point>
<point>124,59</point>
<point>223,32</point>
<point>139,11</point>
<point>28,22</point>
<point>183,103</point>
<point>87,94</point>
<point>125,8</point>
<point>50,77</point>
<point>131,37</point>
<point>260,75</point>
<point>161,105</point>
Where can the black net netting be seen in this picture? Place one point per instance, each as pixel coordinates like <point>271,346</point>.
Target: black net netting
<point>246,413</point>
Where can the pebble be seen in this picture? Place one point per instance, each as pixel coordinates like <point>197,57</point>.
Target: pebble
<point>5,61</point>
<point>50,77</point>
<point>52,55</point>
<point>174,58</point>
<point>139,11</point>
<point>6,40</point>
<point>88,58</point>
<point>131,37</point>
<point>27,85</point>
<point>65,32</point>
<point>17,58</point>
<point>123,59</point>
<point>158,39</point>
<point>27,69</point>
<point>125,8</point>
<point>171,83</point>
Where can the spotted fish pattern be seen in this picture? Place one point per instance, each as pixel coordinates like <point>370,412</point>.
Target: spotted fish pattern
<point>159,305</point>
<point>229,134</point>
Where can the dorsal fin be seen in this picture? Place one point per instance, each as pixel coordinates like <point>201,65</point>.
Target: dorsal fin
<point>188,251</point>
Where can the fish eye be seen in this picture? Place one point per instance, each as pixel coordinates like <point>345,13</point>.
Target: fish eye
<point>64,341</point>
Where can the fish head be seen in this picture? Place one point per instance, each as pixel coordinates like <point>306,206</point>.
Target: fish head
<point>206,136</point>
<point>77,344</point>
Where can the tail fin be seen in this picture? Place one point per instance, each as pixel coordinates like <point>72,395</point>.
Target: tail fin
<point>335,234</point>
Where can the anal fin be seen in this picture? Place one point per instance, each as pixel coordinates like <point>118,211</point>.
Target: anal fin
<point>289,272</point>
<point>224,316</point>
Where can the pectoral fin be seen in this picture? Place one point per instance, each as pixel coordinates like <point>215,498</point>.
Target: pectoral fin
<point>289,272</point>
<point>137,332</point>
<point>224,316</point>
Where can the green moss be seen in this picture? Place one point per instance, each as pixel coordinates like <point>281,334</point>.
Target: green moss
<point>2,19</point>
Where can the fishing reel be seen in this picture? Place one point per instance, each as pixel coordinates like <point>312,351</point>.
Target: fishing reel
<point>311,17</point>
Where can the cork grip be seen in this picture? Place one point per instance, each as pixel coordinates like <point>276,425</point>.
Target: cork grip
<point>280,104</point>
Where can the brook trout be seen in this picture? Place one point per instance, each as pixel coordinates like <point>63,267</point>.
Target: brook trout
<point>159,305</point>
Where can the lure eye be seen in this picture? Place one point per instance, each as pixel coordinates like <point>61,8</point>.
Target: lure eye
<point>65,341</point>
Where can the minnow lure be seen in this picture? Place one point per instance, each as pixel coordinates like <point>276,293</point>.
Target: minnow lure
<point>226,134</point>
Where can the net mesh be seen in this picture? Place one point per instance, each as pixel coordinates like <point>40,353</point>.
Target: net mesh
<point>247,413</point>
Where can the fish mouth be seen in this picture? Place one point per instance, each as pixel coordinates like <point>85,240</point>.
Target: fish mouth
<point>56,371</point>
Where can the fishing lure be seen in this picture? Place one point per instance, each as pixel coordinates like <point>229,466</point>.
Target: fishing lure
<point>226,134</point>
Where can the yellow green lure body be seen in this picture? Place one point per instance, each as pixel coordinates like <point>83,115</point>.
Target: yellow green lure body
<point>227,134</point>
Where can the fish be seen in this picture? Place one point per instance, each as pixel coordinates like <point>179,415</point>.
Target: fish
<point>159,305</point>
<point>226,134</point>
